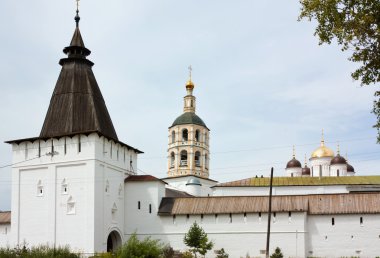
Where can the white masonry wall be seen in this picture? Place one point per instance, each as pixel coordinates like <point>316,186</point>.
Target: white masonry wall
<point>5,233</point>
<point>69,198</point>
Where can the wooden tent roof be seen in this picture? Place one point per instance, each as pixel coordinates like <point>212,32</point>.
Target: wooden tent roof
<point>77,105</point>
<point>313,204</point>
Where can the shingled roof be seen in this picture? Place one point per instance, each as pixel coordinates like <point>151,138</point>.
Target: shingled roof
<point>77,105</point>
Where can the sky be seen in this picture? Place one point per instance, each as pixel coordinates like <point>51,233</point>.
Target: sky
<point>262,81</point>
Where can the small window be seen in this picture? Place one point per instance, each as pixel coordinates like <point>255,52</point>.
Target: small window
<point>107,188</point>
<point>183,158</point>
<point>174,219</point>
<point>139,205</point>
<point>40,189</point>
<point>326,238</point>
<point>201,218</point>
<point>6,230</point>
<point>230,217</point>
<point>79,144</point>
<point>65,146</point>
<point>216,218</point>
<point>245,217</point>
<point>187,218</point>
<point>332,221</point>
<point>361,221</point>
<point>150,208</point>
<point>120,191</point>
<point>70,206</point>
<point>64,189</point>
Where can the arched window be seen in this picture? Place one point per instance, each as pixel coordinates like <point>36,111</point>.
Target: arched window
<point>40,188</point>
<point>197,135</point>
<point>173,137</point>
<point>70,205</point>
<point>64,189</point>
<point>107,188</point>
<point>206,161</point>
<point>206,138</point>
<point>185,135</point>
<point>172,160</point>
<point>197,159</point>
<point>183,158</point>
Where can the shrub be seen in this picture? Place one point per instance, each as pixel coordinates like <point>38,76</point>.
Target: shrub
<point>277,253</point>
<point>134,248</point>
<point>42,251</point>
<point>221,253</point>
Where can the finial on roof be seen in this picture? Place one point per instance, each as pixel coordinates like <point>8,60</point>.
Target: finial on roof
<point>305,160</point>
<point>338,149</point>
<point>323,138</point>
<point>77,18</point>
<point>294,152</point>
<point>190,84</point>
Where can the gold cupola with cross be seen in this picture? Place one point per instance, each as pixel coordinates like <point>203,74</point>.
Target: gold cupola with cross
<point>188,148</point>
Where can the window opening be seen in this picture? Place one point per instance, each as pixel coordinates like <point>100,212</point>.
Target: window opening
<point>39,149</point>
<point>183,158</point>
<point>172,160</point>
<point>64,187</point>
<point>197,135</point>
<point>65,146</point>
<point>337,172</point>
<point>245,217</point>
<point>201,218</point>
<point>150,208</point>
<point>114,212</point>
<point>188,218</point>
<point>117,153</point>
<point>206,161</point>
<point>361,220</point>
<point>107,189</point>
<point>139,205</point>
<point>173,137</point>
<point>79,144</point>
<point>40,188</point>
<point>230,217</point>
<point>185,135</point>
<point>216,218</point>
<point>332,221</point>
<point>111,151</point>
<point>174,219</point>
<point>197,159</point>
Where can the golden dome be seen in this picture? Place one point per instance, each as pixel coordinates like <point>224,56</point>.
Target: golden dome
<point>322,151</point>
<point>189,84</point>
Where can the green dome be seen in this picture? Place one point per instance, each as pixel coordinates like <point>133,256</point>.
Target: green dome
<point>188,118</point>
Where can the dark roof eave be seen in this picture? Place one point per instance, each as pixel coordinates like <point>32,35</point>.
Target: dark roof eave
<point>18,141</point>
<point>170,177</point>
<point>189,124</point>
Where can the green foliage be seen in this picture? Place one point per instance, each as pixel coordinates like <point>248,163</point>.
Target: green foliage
<point>221,253</point>
<point>277,253</point>
<point>168,252</point>
<point>187,254</point>
<point>37,252</point>
<point>134,248</point>
<point>356,27</point>
<point>103,255</point>
<point>197,240</point>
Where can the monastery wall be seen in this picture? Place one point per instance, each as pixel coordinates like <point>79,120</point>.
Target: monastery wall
<point>5,235</point>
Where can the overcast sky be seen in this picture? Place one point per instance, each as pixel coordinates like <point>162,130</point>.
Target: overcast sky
<point>262,82</point>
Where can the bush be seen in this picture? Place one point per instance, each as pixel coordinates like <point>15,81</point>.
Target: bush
<point>221,253</point>
<point>277,253</point>
<point>42,251</point>
<point>134,248</point>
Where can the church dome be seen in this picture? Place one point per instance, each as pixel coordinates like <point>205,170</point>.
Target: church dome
<point>322,152</point>
<point>350,168</point>
<point>188,118</point>
<point>194,181</point>
<point>306,171</point>
<point>293,163</point>
<point>338,160</point>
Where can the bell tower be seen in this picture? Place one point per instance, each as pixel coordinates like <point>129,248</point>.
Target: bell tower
<point>188,148</point>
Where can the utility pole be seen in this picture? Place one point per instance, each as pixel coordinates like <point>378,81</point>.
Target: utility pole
<point>269,212</point>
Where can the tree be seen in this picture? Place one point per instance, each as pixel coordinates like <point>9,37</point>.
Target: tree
<point>355,24</point>
<point>134,248</point>
<point>277,253</point>
<point>197,240</point>
<point>221,253</point>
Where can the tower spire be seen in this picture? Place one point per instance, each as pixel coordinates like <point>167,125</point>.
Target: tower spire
<point>294,152</point>
<point>77,18</point>
<point>338,149</point>
<point>190,84</point>
<point>323,138</point>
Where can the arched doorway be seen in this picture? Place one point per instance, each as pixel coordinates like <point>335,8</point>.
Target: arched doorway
<point>113,241</point>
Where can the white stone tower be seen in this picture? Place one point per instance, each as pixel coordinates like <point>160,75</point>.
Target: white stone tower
<point>188,149</point>
<point>68,183</point>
